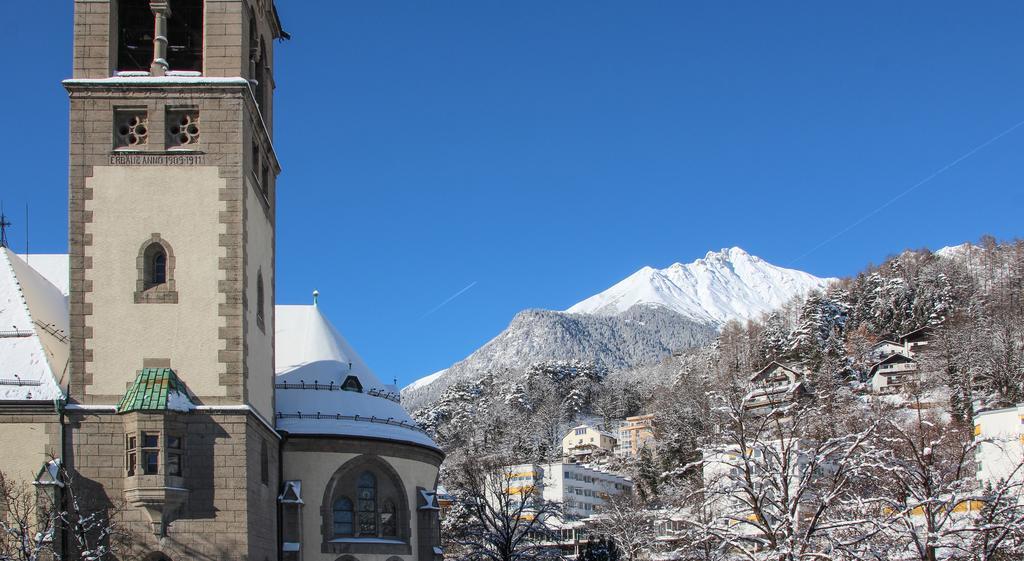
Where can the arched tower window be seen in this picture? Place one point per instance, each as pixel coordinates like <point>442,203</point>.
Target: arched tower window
<point>136,23</point>
<point>259,300</point>
<point>367,504</point>
<point>155,270</point>
<point>343,517</point>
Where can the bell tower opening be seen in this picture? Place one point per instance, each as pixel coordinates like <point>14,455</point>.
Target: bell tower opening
<point>135,26</point>
<point>185,36</point>
<point>159,35</point>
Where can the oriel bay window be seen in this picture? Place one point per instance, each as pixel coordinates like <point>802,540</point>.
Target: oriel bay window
<point>131,460</point>
<point>174,455</point>
<point>150,453</point>
<point>143,451</point>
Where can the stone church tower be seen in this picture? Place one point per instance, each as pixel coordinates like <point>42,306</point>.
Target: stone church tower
<point>171,223</point>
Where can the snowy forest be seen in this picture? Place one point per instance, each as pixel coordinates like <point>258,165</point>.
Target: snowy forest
<point>833,470</point>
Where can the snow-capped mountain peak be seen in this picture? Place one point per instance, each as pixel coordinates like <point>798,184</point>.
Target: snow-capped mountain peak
<point>723,285</point>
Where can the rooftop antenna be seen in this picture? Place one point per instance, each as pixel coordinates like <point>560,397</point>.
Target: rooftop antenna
<point>4,223</point>
<point>316,296</point>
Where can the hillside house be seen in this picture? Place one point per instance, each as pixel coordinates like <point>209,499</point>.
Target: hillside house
<point>884,348</point>
<point>774,386</point>
<point>916,341</point>
<point>892,374</point>
<point>583,441</point>
<point>1000,451</point>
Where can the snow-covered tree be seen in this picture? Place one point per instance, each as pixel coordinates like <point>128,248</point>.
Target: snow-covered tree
<point>33,517</point>
<point>629,523</point>
<point>928,498</point>
<point>775,489</point>
<point>503,517</point>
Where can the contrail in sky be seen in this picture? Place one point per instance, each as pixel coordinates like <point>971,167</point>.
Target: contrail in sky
<point>934,174</point>
<point>450,298</point>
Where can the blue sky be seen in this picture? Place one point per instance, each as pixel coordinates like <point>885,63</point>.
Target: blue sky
<point>537,151</point>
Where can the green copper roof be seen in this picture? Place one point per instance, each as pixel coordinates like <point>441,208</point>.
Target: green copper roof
<point>150,391</point>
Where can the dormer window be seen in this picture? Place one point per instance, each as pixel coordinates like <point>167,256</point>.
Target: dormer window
<point>351,384</point>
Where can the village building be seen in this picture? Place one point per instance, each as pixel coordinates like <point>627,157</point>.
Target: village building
<point>884,348</point>
<point>893,374</point>
<point>580,489</point>
<point>164,375</point>
<point>917,341</point>
<point>585,441</point>
<point>635,434</point>
<point>1000,444</point>
<point>774,386</point>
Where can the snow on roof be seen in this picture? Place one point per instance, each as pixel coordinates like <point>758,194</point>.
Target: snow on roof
<point>313,361</point>
<point>147,80</point>
<point>895,357</point>
<point>772,366</point>
<point>53,267</point>
<point>33,333</point>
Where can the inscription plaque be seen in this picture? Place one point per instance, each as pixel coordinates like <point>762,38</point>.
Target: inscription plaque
<point>157,159</point>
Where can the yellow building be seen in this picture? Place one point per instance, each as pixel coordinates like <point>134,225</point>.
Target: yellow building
<point>583,441</point>
<point>635,434</point>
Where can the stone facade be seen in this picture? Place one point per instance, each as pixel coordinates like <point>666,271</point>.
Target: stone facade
<point>229,512</point>
<point>195,196</point>
<point>172,202</point>
<point>326,465</point>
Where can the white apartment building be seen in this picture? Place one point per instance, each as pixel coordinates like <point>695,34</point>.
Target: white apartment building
<point>581,489</point>
<point>1000,435</point>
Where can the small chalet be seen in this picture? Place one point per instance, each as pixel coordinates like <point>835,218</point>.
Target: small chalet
<point>917,340</point>
<point>884,348</point>
<point>774,385</point>
<point>892,374</point>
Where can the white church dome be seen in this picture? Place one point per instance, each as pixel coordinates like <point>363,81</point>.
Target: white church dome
<point>325,388</point>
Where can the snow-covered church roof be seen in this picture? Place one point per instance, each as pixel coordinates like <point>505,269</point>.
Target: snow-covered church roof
<point>325,388</point>
<point>34,332</point>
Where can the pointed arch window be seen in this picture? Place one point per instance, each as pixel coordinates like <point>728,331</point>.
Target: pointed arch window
<point>379,512</point>
<point>367,504</point>
<point>343,517</point>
